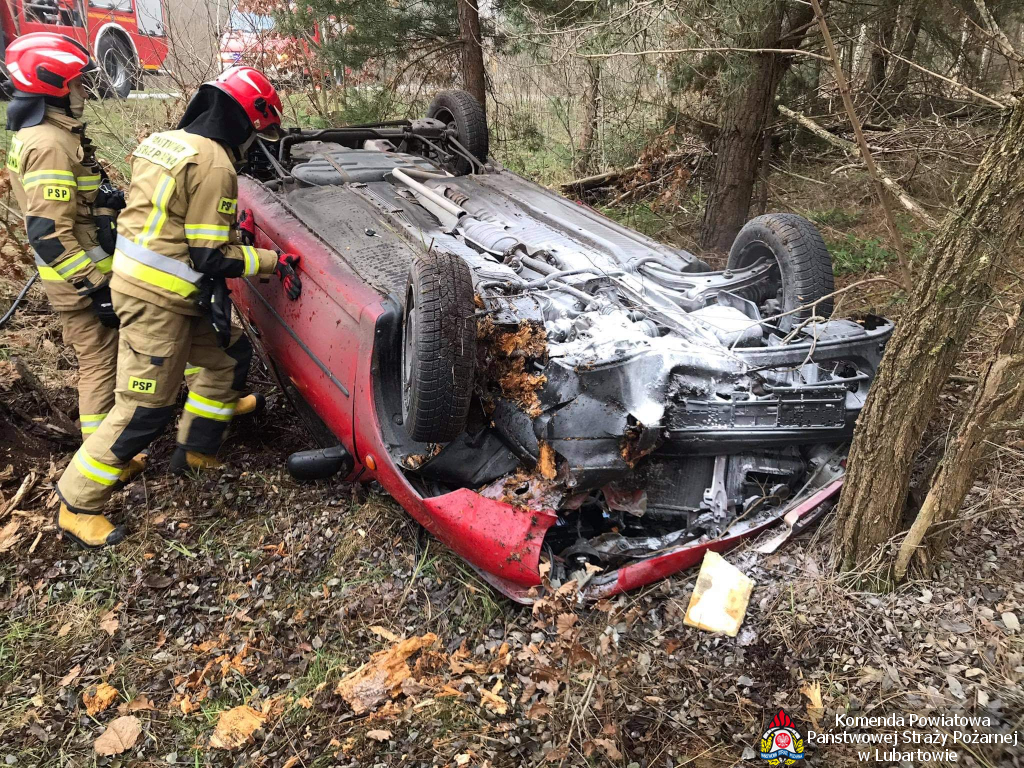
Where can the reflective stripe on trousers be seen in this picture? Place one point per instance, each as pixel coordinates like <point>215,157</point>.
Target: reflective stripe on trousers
<point>134,260</point>
<point>90,422</point>
<point>209,408</point>
<point>97,471</point>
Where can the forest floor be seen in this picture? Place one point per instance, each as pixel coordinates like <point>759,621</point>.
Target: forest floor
<point>223,626</point>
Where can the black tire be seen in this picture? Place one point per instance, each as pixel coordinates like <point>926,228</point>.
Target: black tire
<point>438,348</point>
<point>119,69</point>
<point>804,265</point>
<point>461,111</point>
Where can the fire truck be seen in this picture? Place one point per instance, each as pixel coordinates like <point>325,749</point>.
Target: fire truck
<point>126,37</point>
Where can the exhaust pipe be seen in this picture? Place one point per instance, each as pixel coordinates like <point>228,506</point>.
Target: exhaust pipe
<point>319,463</point>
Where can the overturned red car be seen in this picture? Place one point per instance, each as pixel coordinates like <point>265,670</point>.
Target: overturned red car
<point>543,389</point>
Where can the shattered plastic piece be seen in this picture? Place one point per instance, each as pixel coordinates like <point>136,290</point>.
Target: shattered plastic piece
<point>799,517</point>
<point>720,598</point>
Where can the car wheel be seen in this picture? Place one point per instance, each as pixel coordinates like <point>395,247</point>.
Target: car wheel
<point>438,348</point>
<point>118,68</point>
<point>803,266</point>
<point>461,112</point>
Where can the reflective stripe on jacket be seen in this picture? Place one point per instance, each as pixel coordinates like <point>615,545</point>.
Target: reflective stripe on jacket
<point>180,222</point>
<point>55,189</point>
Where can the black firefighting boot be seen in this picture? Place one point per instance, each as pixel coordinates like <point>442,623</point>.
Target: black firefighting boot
<point>250,405</point>
<point>89,531</point>
<point>184,462</point>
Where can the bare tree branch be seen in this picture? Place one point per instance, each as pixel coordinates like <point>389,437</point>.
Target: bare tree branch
<point>865,151</point>
<point>849,147</point>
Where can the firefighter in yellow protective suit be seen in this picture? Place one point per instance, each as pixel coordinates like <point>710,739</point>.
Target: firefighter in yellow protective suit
<point>68,205</point>
<point>177,242</point>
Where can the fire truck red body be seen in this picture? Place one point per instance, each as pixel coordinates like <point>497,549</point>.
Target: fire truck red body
<point>126,37</point>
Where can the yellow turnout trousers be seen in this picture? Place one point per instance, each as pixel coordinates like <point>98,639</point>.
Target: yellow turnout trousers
<point>155,345</point>
<point>95,347</point>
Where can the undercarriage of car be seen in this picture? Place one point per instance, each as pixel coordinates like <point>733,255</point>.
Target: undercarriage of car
<point>547,357</point>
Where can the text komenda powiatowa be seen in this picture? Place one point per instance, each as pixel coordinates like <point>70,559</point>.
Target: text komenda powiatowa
<point>897,730</point>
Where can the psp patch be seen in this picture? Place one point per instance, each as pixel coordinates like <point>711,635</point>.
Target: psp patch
<point>227,205</point>
<point>57,193</point>
<point>142,386</point>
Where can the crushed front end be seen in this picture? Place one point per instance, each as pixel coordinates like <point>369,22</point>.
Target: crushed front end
<point>651,403</point>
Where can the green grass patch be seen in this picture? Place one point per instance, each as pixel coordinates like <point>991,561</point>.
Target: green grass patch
<point>638,216</point>
<point>550,164</point>
<point>834,217</point>
<point>853,254</point>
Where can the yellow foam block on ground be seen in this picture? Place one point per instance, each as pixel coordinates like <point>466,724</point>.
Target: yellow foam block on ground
<point>720,598</point>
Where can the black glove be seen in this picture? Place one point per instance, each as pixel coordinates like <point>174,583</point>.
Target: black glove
<point>109,196</point>
<point>104,308</point>
<point>285,269</point>
<point>109,200</point>
<point>215,302</point>
<point>106,230</point>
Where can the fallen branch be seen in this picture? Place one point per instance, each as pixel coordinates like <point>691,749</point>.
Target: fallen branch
<point>608,177</point>
<point>912,206</point>
<point>23,489</point>
<point>951,81</point>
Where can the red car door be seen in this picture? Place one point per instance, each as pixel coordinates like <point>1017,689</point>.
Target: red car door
<point>319,339</point>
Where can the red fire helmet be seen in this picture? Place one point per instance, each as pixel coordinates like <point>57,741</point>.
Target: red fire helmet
<point>254,93</point>
<point>45,62</point>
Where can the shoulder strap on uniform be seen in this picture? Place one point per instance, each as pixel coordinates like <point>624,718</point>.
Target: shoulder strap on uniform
<point>165,150</point>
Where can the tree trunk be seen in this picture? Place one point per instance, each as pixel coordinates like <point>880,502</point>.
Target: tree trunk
<point>1005,46</point>
<point>472,51</point>
<point>761,208</point>
<point>591,102</point>
<point>997,394</point>
<point>878,65</point>
<point>972,248</point>
<point>963,69</point>
<point>748,109</point>
<point>901,68</point>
